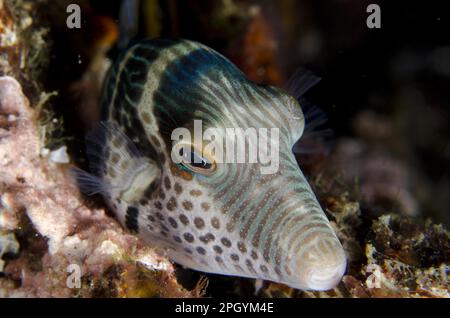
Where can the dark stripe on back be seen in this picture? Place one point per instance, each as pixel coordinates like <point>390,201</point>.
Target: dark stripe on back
<point>131,219</point>
<point>176,98</point>
<point>130,87</point>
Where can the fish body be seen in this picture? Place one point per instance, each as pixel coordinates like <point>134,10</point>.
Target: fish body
<point>225,218</point>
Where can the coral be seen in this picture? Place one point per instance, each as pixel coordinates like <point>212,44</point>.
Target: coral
<point>408,259</point>
<point>24,45</point>
<point>42,207</point>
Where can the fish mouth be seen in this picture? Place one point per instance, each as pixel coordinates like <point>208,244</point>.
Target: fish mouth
<point>325,272</point>
<point>326,278</point>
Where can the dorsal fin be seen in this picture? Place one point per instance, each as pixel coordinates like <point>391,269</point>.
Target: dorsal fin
<point>316,137</point>
<point>300,82</point>
<point>128,22</point>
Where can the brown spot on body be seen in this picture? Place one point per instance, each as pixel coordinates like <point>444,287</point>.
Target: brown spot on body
<point>177,239</point>
<point>264,268</point>
<point>199,223</point>
<point>155,141</point>
<point>146,118</point>
<point>158,205</point>
<point>249,265</point>
<point>241,247</point>
<point>217,249</point>
<point>234,257</point>
<point>254,255</point>
<point>172,222</point>
<point>184,219</point>
<point>201,250</point>
<point>117,142</point>
<point>178,188</point>
<point>115,158</point>
<point>187,205</point>
<point>196,193</point>
<point>215,223</point>
<point>188,237</point>
<point>230,226</point>
<point>226,242</point>
<point>171,204</point>
<point>207,238</point>
<point>167,183</point>
<point>205,206</point>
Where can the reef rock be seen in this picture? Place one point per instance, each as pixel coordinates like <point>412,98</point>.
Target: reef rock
<point>51,243</point>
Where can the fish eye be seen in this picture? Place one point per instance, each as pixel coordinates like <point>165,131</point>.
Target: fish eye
<point>192,160</point>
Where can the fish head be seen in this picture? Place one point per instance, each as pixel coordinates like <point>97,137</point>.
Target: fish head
<point>234,186</point>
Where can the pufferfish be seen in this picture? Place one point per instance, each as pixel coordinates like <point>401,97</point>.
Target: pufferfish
<point>223,218</point>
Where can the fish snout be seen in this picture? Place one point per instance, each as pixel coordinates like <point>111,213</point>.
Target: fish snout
<point>322,266</point>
